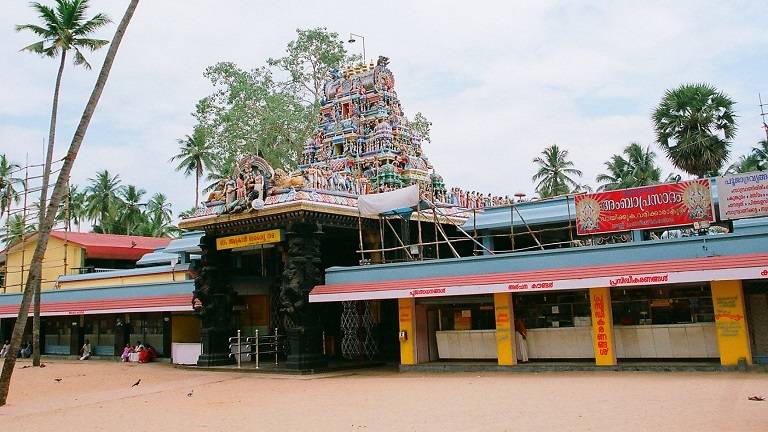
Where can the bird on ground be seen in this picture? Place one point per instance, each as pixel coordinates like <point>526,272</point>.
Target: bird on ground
<point>190,393</point>
<point>57,379</point>
<point>136,383</point>
<point>42,365</point>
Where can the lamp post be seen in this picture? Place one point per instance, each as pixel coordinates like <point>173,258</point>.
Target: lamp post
<point>353,40</point>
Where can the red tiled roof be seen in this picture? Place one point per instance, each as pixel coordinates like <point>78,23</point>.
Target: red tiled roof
<point>113,246</point>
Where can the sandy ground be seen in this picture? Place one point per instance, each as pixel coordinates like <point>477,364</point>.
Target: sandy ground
<point>97,395</point>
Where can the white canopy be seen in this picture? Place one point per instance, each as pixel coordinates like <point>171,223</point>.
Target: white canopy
<point>375,204</point>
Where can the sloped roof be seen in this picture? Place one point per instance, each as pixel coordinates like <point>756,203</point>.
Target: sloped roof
<point>109,246</point>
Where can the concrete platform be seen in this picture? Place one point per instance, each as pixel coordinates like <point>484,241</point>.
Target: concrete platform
<point>664,366</point>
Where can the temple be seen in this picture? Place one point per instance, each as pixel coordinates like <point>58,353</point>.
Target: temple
<point>269,235</point>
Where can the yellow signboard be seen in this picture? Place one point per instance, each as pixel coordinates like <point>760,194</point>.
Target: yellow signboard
<point>250,239</point>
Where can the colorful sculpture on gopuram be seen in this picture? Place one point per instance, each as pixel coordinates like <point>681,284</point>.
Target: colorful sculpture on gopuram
<point>363,144</point>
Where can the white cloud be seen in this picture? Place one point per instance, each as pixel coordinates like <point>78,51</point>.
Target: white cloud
<point>499,80</point>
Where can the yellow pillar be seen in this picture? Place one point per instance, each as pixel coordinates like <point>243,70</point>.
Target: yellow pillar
<point>407,317</point>
<point>602,326</point>
<point>505,329</point>
<point>731,322</point>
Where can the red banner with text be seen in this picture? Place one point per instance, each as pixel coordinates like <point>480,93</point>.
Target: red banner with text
<point>645,207</point>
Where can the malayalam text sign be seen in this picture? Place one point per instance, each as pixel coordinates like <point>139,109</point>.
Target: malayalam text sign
<point>250,239</point>
<point>645,207</point>
<point>743,195</point>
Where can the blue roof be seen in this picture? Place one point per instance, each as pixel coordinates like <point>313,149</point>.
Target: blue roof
<point>189,242</point>
<point>157,257</point>
<point>551,210</point>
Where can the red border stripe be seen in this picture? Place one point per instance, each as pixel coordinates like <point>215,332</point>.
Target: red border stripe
<point>688,264</point>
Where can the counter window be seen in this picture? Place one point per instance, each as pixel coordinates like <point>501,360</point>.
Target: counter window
<point>662,305</point>
<point>467,317</point>
<point>553,309</point>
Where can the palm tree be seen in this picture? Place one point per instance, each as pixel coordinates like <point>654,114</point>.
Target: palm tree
<point>63,29</point>
<point>195,155</point>
<point>8,192</point>
<point>761,154</point>
<point>554,172</point>
<point>103,198</point>
<point>17,227</point>
<point>616,177</point>
<point>642,165</point>
<point>745,163</point>
<point>35,268</point>
<point>636,167</point>
<point>72,209</point>
<point>221,170</point>
<point>159,209</point>
<point>130,211</point>
<point>695,124</point>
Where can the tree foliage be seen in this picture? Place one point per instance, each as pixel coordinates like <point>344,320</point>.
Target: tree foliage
<point>555,173</point>
<point>269,110</point>
<point>695,124</point>
<point>422,126</point>
<point>250,112</point>
<point>637,169</point>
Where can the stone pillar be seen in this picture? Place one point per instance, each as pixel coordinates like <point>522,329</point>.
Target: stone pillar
<point>407,318</point>
<point>602,326</point>
<point>731,322</point>
<point>300,318</point>
<point>213,300</point>
<point>505,329</point>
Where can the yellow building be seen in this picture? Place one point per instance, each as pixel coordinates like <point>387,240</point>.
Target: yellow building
<point>75,253</point>
<point>111,290</point>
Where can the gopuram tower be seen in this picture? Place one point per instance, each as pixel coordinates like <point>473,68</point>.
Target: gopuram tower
<point>269,235</point>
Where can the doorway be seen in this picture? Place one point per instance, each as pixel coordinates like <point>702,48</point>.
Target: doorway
<point>756,294</point>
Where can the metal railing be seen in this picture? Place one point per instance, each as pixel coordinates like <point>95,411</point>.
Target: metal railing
<point>253,347</point>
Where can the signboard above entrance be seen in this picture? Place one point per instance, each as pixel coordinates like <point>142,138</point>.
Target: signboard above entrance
<point>646,207</point>
<point>743,195</point>
<point>250,239</point>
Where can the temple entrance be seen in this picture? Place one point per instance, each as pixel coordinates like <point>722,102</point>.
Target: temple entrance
<point>756,293</point>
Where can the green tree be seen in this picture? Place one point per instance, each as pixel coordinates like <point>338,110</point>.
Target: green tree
<point>17,227</point>
<point>223,166</point>
<point>195,155</point>
<point>616,176</point>
<point>59,190</point>
<point>103,198</point>
<point>9,181</point>
<point>72,208</point>
<point>695,124</point>
<point>129,214</point>
<point>555,172</point>
<point>745,163</point>
<point>422,126</point>
<point>635,167</point>
<point>760,153</point>
<point>308,60</point>
<point>252,113</point>
<point>160,209</point>
<point>63,28</point>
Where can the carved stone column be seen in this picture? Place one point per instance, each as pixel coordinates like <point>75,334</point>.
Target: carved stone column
<point>213,299</point>
<point>300,319</point>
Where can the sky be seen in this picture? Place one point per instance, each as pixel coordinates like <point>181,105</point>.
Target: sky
<point>500,81</point>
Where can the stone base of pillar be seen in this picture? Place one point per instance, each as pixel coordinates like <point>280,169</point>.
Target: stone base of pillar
<point>215,348</point>
<point>305,349</point>
<point>218,359</point>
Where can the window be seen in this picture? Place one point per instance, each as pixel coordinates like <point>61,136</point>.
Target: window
<point>100,332</point>
<point>662,305</point>
<point>58,335</point>
<point>147,329</point>
<point>553,309</point>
